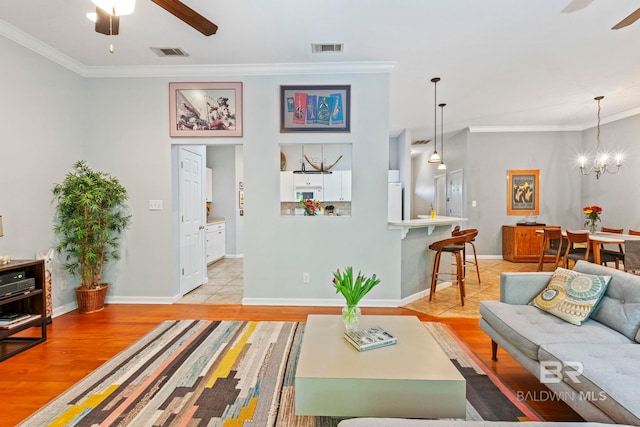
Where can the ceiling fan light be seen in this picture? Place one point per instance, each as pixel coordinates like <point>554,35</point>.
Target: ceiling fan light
<point>121,7</point>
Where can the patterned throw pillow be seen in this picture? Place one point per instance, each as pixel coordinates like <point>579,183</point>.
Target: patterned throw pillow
<point>571,296</point>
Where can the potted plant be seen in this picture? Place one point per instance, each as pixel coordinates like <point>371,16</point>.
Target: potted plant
<point>91,214</point>
<point>352,290</point>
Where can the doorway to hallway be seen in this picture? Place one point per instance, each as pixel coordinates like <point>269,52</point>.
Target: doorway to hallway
<point>225,285</point>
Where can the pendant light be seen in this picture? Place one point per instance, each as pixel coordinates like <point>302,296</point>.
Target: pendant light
<point>435,157</point>
<point>442,166</point>
<point>600,164</point>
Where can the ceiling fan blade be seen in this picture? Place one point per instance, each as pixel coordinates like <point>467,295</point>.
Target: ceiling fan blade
<point>188,15</point>
<point>628,20</point>
<point>106,23</point>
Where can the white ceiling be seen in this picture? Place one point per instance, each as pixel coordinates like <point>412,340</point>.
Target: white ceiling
<point>503,63</point>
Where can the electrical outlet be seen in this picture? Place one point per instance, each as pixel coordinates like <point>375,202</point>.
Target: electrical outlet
<point>305,277</point>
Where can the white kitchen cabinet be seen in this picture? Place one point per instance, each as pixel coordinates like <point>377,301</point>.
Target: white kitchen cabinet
<point>337,186</point>
<point>209,185</point>
<point>307,180</point>
<point>215,241</point>
<point>286,187</point>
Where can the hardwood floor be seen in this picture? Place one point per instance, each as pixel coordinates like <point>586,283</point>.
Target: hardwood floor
<point>78,344</point>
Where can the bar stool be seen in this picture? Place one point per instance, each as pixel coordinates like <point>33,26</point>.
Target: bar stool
<point>454,245</point>
<point>471,234</point>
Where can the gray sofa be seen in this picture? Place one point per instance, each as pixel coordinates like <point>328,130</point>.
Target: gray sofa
<point>595,367</point>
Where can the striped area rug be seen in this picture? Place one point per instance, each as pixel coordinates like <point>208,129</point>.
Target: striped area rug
<point>233,373</point>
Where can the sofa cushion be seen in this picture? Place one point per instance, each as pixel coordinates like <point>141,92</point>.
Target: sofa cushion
<point>609,377</point>
<point>619,308</point>
<point>527,328</point>
<point>570,295</point>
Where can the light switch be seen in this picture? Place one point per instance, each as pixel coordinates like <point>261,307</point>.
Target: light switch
<point>155,205</point>
<point>473,203</point>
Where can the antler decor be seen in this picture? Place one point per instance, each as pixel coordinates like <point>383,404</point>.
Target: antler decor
<point>322,167</point>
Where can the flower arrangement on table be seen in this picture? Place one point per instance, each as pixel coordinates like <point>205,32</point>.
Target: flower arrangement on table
<point>352,291</point>
<point>311,207</point>
<point>592,217</point>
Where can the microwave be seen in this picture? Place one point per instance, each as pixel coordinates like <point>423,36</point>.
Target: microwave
<point>313,193</point>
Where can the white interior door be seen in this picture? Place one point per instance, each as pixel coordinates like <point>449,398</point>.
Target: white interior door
<point>192,221</point>
<point>454,191</point>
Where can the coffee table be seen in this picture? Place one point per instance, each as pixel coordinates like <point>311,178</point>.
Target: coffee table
<point>412,379</point>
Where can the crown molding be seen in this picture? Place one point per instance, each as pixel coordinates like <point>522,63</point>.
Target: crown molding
<point>234,70</point>
<point>43,49</point>
<point>506,129</point>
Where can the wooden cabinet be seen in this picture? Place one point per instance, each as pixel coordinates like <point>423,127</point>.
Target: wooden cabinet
<point>15,338</point>
<point>216,237</point>
<point>520,243</point>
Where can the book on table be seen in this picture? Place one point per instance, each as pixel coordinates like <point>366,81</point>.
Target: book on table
<point>370,338</point>
<point>21,321</point>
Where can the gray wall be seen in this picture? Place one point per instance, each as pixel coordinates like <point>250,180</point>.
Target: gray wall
<point>223,160</point>
<point>44,122</point>
<point>120,125</point>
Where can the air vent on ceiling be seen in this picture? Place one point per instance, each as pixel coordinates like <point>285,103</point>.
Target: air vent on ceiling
<point>421,142</point>
<point>327,47</point>
<point>169,51</point>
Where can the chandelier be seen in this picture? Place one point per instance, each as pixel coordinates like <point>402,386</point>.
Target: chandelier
<point>600,164</point>
<point>435,157</point>
<point>442,166</point>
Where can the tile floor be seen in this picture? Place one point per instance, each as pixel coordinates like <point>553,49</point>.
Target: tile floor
<point>225,286</point>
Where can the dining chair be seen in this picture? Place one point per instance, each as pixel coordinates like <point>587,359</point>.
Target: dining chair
<point>617,255</point>
<point>471,234</point>
<point>632,256</point>
<point>553,244</point>
<point>578,248</point>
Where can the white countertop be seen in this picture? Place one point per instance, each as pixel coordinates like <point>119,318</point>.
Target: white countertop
<point>215,219</point>
<point>426,222</point>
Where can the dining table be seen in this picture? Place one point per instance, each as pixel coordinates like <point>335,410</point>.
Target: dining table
<point>600,238</point>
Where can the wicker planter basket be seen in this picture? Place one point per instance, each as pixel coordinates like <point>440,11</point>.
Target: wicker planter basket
<point>91,300</point>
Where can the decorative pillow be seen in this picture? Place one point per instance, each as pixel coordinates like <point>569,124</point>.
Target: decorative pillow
<point>571,296</point>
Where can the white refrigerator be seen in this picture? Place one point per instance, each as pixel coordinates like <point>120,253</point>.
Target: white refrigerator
<point>395,201</point>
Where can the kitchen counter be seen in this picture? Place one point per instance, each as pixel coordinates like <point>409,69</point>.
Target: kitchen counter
<point>424,221</point>
<point>215,219</point>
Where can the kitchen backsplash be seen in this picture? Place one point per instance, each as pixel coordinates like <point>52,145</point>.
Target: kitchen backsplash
<point>339,208</point>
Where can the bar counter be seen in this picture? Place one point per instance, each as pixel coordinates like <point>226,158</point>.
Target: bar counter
<point>416,257</point>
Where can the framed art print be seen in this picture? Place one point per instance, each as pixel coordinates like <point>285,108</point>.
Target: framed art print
<point>205,109</point>
<point>315,108</point>
<point>523,192</point>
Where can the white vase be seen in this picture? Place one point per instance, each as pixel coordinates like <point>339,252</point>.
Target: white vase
<point>351,317</point>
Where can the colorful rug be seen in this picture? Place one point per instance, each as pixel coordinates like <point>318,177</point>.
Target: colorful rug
<point>226,373</point>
